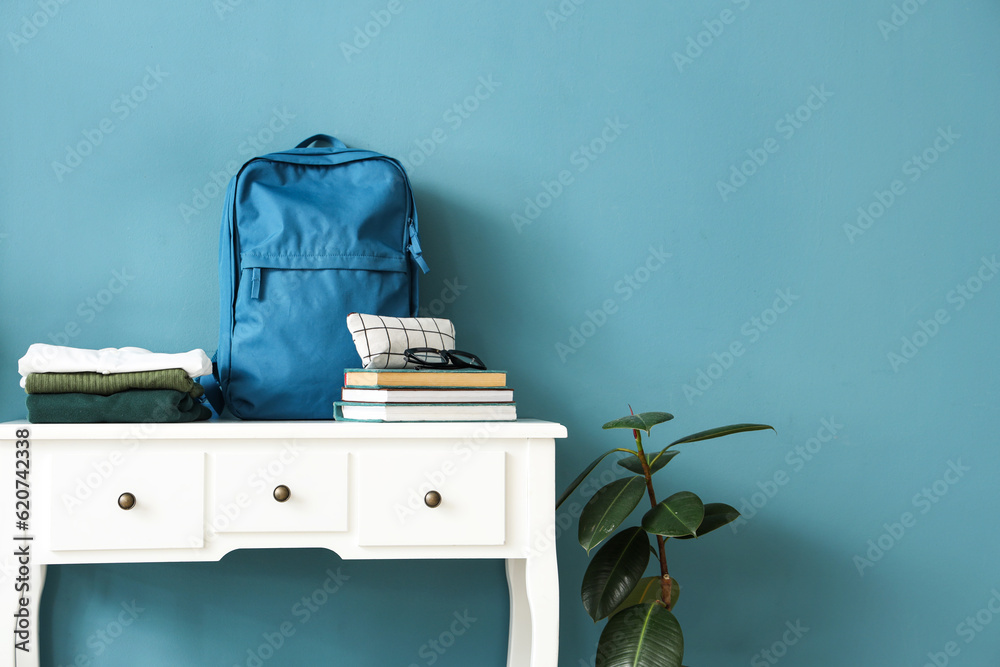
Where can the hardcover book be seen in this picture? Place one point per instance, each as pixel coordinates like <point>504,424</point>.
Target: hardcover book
<point>427,395</point>
<point>408,377</point>
<point>415,412</point>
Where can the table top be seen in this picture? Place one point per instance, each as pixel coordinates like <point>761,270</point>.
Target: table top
<point>220,429</point>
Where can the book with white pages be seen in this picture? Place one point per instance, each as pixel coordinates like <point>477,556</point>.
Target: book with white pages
<point>416,412</point>
<point>460,378</point>
<point>426,395</point>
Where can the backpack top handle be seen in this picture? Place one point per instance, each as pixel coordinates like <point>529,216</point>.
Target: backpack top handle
<point>326,138</point>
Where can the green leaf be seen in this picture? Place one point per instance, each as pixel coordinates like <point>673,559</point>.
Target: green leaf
<point>717,515</point>
<point>680,514</point>
<point>614,571</point>
<point>642,421</point>
<point>648,589</point>
<point>576,482</point>
<point>633,464</point>
<point>720,432</point>
<point>608,508</point>
<point>644,636</point>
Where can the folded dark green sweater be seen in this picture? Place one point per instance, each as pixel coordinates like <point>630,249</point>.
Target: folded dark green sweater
<point>105,385</point>
<point>136,405</point>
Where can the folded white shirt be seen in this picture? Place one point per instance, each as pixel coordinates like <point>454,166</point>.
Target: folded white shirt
<point>44,358</point>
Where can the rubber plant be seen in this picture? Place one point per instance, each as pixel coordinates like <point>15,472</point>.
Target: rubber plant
<point>642,631</point>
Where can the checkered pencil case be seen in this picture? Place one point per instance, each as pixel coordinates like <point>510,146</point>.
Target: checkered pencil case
<point>382,340</point>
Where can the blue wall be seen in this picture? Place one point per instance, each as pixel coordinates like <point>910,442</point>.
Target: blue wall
<point>615,198</point>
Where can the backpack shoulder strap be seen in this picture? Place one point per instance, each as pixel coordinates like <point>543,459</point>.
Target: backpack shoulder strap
<point>213,391</point>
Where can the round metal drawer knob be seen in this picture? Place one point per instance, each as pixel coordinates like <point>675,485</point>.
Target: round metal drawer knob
<point>282,493</point>
<point>432,499</point>
<point>126,501</point>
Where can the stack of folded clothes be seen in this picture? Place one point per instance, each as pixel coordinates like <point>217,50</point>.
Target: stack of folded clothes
<point>129,384</point>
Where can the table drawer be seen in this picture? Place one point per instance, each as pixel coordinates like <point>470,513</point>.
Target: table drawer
<point>393,504</point>
<point>90,492</point>
<point>280,488</point>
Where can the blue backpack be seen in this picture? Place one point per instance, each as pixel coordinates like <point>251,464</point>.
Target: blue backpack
<point>308,236</point>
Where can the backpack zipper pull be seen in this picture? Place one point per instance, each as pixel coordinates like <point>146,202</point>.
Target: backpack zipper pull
<point>414,247</point>
<point>255,283</point>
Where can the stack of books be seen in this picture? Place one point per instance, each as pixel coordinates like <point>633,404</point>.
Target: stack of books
<point>408,395</point>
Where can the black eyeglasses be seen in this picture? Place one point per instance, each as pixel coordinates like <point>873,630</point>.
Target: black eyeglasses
<point>429,357</point>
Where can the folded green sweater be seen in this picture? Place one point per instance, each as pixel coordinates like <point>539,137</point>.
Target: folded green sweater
<point>136,405</point>
<point>105,385</point>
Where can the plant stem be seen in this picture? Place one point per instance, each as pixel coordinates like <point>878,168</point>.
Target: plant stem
<point>666,583</point>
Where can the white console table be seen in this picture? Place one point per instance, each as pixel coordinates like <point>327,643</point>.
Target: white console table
<point>122,493</point>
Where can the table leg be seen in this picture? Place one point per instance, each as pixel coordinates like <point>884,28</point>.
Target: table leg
<point>519,639</point>
<point>534,611</point>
